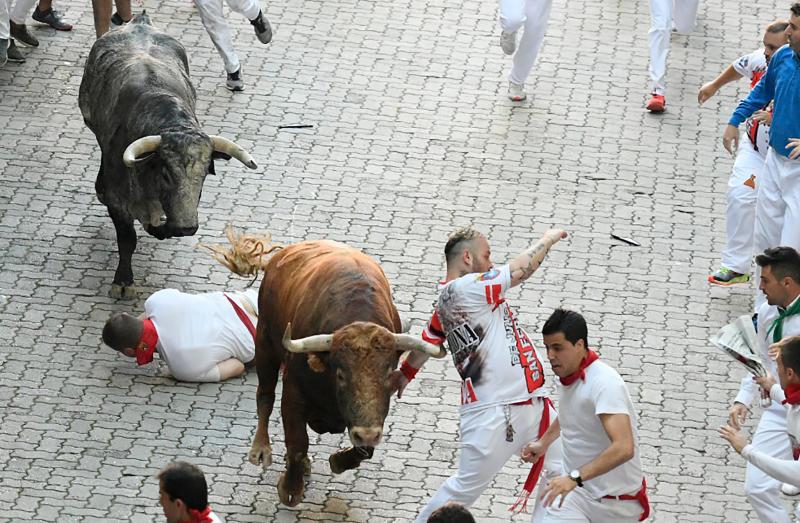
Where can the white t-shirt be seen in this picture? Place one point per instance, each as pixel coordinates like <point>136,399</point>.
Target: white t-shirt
<point>785,470</point>
<point>583,437</point>
<point>753,66</point>
<point>749,390</point>
<point>494,356</point>
<point>198,331</point>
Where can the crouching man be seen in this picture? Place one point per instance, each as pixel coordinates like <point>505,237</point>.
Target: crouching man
<point>201,337</point>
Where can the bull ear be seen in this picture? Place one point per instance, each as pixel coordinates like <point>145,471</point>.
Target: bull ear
<point>315,363</point>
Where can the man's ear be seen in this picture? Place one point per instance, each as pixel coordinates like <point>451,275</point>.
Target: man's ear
<point>131,353</point>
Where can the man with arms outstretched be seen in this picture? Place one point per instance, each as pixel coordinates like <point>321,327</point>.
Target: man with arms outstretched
<point>503,402</point>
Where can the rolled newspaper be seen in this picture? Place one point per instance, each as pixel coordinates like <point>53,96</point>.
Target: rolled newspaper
<point>740,341</point>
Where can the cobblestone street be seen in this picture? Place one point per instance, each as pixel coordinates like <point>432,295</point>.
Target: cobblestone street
<point>412,136</point>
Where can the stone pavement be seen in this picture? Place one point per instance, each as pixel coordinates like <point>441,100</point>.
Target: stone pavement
<point>412,137</point>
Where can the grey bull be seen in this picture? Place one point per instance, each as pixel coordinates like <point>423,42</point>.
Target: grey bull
<point>137,99</point>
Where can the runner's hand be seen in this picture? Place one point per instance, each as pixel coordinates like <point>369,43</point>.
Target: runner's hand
<point>397,382</point>
<point>707,91</point>
<point>560,486</point>
<point>764,117</point>
<point>555,235</point>
<point>733,437</point>
<point>533,451</point>
<point>737,415</point>
<point>730,138</point>
<point>766,382</point>
<point>794,148</point>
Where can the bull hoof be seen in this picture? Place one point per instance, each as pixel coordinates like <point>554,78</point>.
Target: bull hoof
<point>123,292</point>
<point>290,499</point>
<point>341,461</point>
<point>260,455</point>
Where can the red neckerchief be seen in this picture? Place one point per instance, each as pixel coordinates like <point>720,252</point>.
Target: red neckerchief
<point>199,516</point>
<point>147,343</point>
<point>792,393</point>
<point>591,357</point>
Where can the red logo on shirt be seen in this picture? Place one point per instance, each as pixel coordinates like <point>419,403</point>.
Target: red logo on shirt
<point>467,392</point>
<point>493,294</point>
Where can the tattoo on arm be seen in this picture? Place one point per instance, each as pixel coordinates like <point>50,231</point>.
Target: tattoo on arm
<point>535,256</point>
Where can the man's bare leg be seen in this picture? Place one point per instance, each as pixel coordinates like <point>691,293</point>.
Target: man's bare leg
<point>124,9</point>
<point>102,16</point>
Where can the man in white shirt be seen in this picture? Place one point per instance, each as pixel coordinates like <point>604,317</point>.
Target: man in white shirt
<point>737,255</point>
<point>786,392</point>
<point>778,318</point>
<point>602,477</point>
<point>183,494</point>
<point>503,402</point>
<point>201,337</point>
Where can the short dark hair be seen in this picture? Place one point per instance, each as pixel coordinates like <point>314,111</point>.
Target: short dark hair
<point>456,241</point>
<point>184,481</point>
<point>451,513</point>
<point>572,324</point>
<point>784,261</point>
<point>795,9</point>
<point>790,353</point>
<point>122,331</point>
<point>778,26</point>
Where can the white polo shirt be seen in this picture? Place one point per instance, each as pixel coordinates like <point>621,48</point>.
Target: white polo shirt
<point>198,331</point>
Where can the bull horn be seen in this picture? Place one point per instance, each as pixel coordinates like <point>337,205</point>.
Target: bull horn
<point>145,144</point>
<point>225,146</point>
<point>318,343</point>
<point>406,342</point>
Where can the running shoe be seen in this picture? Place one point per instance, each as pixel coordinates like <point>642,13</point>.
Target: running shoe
<point>656,103</point>
<point>725,277</point>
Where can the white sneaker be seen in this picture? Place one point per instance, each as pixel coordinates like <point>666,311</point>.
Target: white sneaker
<point>790,490</point>
<point>508,42</point>
<point>516,92</point>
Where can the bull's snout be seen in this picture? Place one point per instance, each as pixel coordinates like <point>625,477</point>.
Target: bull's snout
<point>366,436</point>
<point>184,231</point>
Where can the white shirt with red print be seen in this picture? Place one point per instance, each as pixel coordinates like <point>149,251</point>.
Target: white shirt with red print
<point>753,66</point>
<point>494,356</point>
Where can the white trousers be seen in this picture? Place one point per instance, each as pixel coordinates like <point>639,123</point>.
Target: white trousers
<point>741,212</point>
<point>764,492</point>
<point>662,15</point>
<point>218,28</point>
<point>5,27</point>
<point>22,10</point>
<point>580,506</point>
<point>778,207</point>
<point>533,15</point>
<point>484,451</point>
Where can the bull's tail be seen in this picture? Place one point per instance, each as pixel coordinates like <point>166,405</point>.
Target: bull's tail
<point>246,254</point>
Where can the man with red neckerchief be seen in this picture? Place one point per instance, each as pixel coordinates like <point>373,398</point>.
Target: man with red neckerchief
<point>778,318</point>
<point>205,337</point>
<point>503,401</point>
<point>786,392</point>
<point>602,477</point>
<point>183,494</point>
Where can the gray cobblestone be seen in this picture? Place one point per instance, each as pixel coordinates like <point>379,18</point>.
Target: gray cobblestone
<point>412,136</point>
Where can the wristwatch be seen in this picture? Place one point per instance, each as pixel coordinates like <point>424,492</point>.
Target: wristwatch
<point>575,476</point>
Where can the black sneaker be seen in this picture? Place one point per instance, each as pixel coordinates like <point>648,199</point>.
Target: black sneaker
<point>234,81</point>
<point>51,18</point>
<point>21,33</point>
<point>3,51</point>
<point>117,20</point>
<point>13,53</point>
<point>262,28</point>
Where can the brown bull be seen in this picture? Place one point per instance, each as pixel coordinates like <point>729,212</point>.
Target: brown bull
<point>336,302</point>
